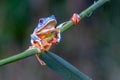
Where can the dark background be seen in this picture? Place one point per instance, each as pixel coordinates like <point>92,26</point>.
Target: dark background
<point>93,46</point>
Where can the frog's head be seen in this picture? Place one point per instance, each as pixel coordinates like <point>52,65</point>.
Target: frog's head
<point>46,23</point>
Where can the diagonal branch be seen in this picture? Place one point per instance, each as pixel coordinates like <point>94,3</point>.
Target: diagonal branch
<point>63,68</point>
<point>31,52</point>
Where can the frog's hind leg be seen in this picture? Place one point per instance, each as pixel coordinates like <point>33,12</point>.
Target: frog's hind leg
<point>40,61</point>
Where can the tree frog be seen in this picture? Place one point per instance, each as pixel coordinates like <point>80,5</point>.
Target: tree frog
<point>42,34</point>
<point>45,34</point>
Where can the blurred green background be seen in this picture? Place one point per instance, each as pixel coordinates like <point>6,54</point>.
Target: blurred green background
<point>93,46</point>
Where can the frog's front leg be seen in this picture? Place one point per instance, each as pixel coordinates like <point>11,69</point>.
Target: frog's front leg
<point>34,39</point>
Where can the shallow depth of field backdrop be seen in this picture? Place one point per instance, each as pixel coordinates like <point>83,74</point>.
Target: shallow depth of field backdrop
<point>93,46</point>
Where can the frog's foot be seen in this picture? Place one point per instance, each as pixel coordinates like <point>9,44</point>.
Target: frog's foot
<point>56,37</point>
<point>35,44</point>
<point>45,45</point>
<point>75,18</point>
<point>54,41</point>
<point>40,61</point>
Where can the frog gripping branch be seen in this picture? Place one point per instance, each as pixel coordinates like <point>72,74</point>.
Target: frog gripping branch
<point>46,34</point>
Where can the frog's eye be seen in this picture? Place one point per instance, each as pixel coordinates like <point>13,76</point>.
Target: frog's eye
<point>41,21</point>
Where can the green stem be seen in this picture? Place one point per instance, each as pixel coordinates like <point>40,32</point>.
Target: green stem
<point>84,13</point>
<point>92,8</point>
<point>27,53</point>
<point>69,24</point>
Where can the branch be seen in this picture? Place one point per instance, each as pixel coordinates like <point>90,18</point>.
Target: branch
<point>84,13</point>
<point>53,61</point>
<point>26,53</point>
<point>63,68</point>
<point>31,52</point>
